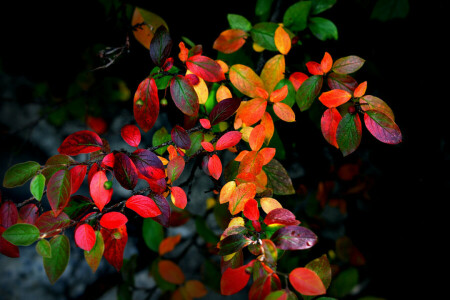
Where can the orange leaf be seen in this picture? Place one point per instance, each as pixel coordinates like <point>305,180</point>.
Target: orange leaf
<point>230,40</point>
<point>252,111</point>
<point>223,92</point>
<point>241,195</point>
<point>297,78</point>
<point>329,123</point>
<point>273,72</point>
<point>245,80</point>
<point>334,98</point>
<point>268,204</point>
<point>245,177</point>
<point>195,288</point>
<point>279,95</point>
<point>178,197</point>
<point>241,155</point>
<point>170,272</point>
<point>184,52</point>
<point>326,63</point>
<point>306,282</point>
<point>284,112</point>
<point>257,136</point>
<point>261,181</point>
<point>314,68</point>
<point>360,90</point>
<point>282,40</point>
<point>251,163</point>
<point>267,154</point>
<point>227,192</point>
<point>207,146</point>
<point>267,121</point>
<point>168,244</point>
<point>223,65</point>
<point>215,166</point>
<point>143,34</point>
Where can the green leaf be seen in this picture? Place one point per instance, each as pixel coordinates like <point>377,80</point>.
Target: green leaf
<point>319,6</point>
<point>159,137</point>
<point>196,139</point>
<point>153,234</point>
<point>308,92</point>
<point>263,34</point>
<point>385,10</point>
<point>348,135</point>
<point>21,234</point>
<point>290,98</point>
<point>43,248</point>
<point>262,8</point>
<point>278,179</point>
<point>55,265</point>
<point>37,186</point>
<point>94,256</point>
<point>323,29</point>
<point>321,266</point>
<point>20,173</point>
<point>239,22</point>
<point>296,16</point>
<point>77,206</point>
<point>58,191</point>
<point>184,96</point>
<point>232,244</point>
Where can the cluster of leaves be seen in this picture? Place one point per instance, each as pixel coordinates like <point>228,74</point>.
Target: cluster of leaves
<point>234,109</point>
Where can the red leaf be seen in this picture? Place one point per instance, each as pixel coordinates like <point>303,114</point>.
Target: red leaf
<point>77,174</point>
<point>143,206</point>
<point>84,141</point>
<point>251,210</point>
<point>184,96</point>
<point>382,127</point>
<point>175,168</point>
<point>215,166</point>
<point>8,214</point>
<point>164,207</point>
<point>58,190</point>
<point>326,63</point>
<point>360,90</point>
<point>178,197</point>
<point>131,135</point>
<point>146,104</point>
<point>29,213</point>
<point>113,220</point>
<point>234,280</point>
<point>329,123</point>
<point>125,171</point>
<point>85,237</point>
<point>99,194</point>
<point>6,248</point>
<point>297,79</point>
<point>205,68</point>
<point>257,137</point>
<point>306,282</point>
<point>223,110</point>
<point>252,111</point>
<point>115,241</point>
<point>228,140</point>
<point>314,68</point>
<point>148,164</point>
<point>207,146</point>
<point>230,40</point>
<point>267,154</point>
<point>170,272</point>
<point>180,137</point>
<point>51,225</point>
<point>97,124</point>
<point>334,98</point>
<point>281,216</point>
<point>205,123</point>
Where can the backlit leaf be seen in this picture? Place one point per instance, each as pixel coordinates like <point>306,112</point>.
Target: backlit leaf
<point>184,96</point>
<point>233,243</point>
<point>168,244</point>
<point>369,102</point>
<point>321,266</point>
<point>94,256</point>
<point>43,248</point>
<point>21,234</point>
<point>360,90</point>
<point>113,220</point>
<point>297,79</point>
<point>227,192</point>
<point>267,122</point>
<point>146,104</point>
<point>306,282</point>
<point>348,65</point>
<point>245,80</point>
<point>195,288</point>
<point>251,210</point>
<point>85,237</point>
<point>144,33</point>
<point>230,40</point>
<point>308,92</point>
<point>58,191</point>
<point>241,195</point>
<point>20,173</point>
<point>160,46</point>
<point>28,213</point>
<point>239,22</point>
<point>294,237</point>
<point>131,135</point>
<point>281,216</point>
<point>77,175</point>
<point>148,164</point>
<point>164,207</point>
<point>205,68</point>
<point>341,82</point>
<point>284,112</point>
<point>143,206</point>
<point>348,134</point>
<point>115,241</point>
<point>273,72</point>
<point>37,186</point>
<point>51,225</point>
<point>228,140</point>
<point>329,124</point>
<point>382,127</point>
<point>252,111</point>
<point>178,197</point>
<point>257,137</point>
<point>56,264</point>
<point>6,248</point>
<point>170,272</point>
<point>125,171</point>
<point>334,98</point>
<point>175,168</point>
<point>326,63</point>
<point>234,280</point>
<point>215,166</point>
<point>252,163</point>
<point>268,204</point>
<point>282,40</point>
<point>99,194</point>
<point>263,34</point>
<point>83,141</point>
<point>152,233</point>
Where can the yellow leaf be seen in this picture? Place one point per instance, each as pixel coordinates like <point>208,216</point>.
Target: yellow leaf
<point>273,72</point>
<point>201,89</point>
<point>150,22</point>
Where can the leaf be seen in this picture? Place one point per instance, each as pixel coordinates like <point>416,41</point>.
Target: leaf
<point>240,196</point>
<point>195,288</point>
<point>20,173</point>
<point>58,191</point>
<point>6,248</point>
<point>43,248</point>
<point>178,197</point>
<point>125,171</point>
<point>297,79</point>
<point>251,210</point>
<point>174,168</point>
<point>153,234</point>
<point>278,179</point>
<point>281,216</point>
<point>321,6</point>
<point>94,256</point>
<point>148,164</point>
<point>360,90</point>
<point>341,82</point>
<point>168,244</point>
<point>8,214</point>
<point>234,280</point>
<point>77,175</point>
<point>131,135</point>
<point>56,264</point>
<point>229,139</point>
<point>50,225</point>
<point>83,141</point>
<point>115,242</point>
<point>232,244</point>
<point>282,40</point>
<point>321,266</point>
<point>348,134</point>
<point>196,140</point>
<point>385,10</point>
<point>85,237</point>
<point>314,68</point>
<point>78,206</point>
<point>146,104</point>
<point>184,96</point>
<point>223,110</point>
<point>160,46</point>
<point>252,111</point>
<point>215,166</point>
<point>329,124</point>
<point>97,190</point>
<point>257,137</point>
<point>273,72</point>
<point>323,29</point>
<point>28,213</point>
<point>230,40</point>
<point>143,206</point>
<point>284,112</point>
<point>263,34</point>
<point>294,237</point>
<point>245,80</point>
<point>113,220</point>
<point>170,272</point>
<point>239,22</point>
<point>205,68</point>
<point>382,127</point>
<point>21,234</point>
<point>268,204</point>
<point>344,282</point>
<point>348,65</point>
<point>308,91</point>
<point>227,192</point>
<point>164,217</point>
<point>180,137</point>
<point>252,163</point>
<point>306,282</point>
<point>296,16</point>
<point>369,102</point>
<point>144,33</point>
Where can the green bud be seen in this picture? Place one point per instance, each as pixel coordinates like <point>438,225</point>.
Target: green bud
<point>107,185</point>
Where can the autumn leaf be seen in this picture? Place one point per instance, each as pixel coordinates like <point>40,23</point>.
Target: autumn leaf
<point>115,241</point>
<point>268,204</point>
<point>77,175</point>
<point>329,124</point>
<point>348,134</point>
<point>230,40</point>
<point>178,197</point>
<point>184,96</point>
<point>334,98</point>
<point>273,72</point>
<point>245,80</point>
<point>146,104</point>
<point>251,210</point>
<point>168,244</point>
<point>215,166</point>
<point>282,40</point>
<point>205,68</point>
<point>58,191</point>
<point>284,112</point>
<point>125,171</point>
<point>252,111</point>
<point>348,65</point>
<point>85,237</point>
<point>113,220</point>
<point>382,127</point>
<point>131,135</point>
<point>80,142</point>
<point>143,206</point>
<point>257,137</point>
<point>97,190</point>
<point>234,280</point>
<point>306,282</point>
<point>229,139</point>
<point>170,272</point>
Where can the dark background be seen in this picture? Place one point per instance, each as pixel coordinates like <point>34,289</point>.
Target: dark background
<point>403,233</point>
